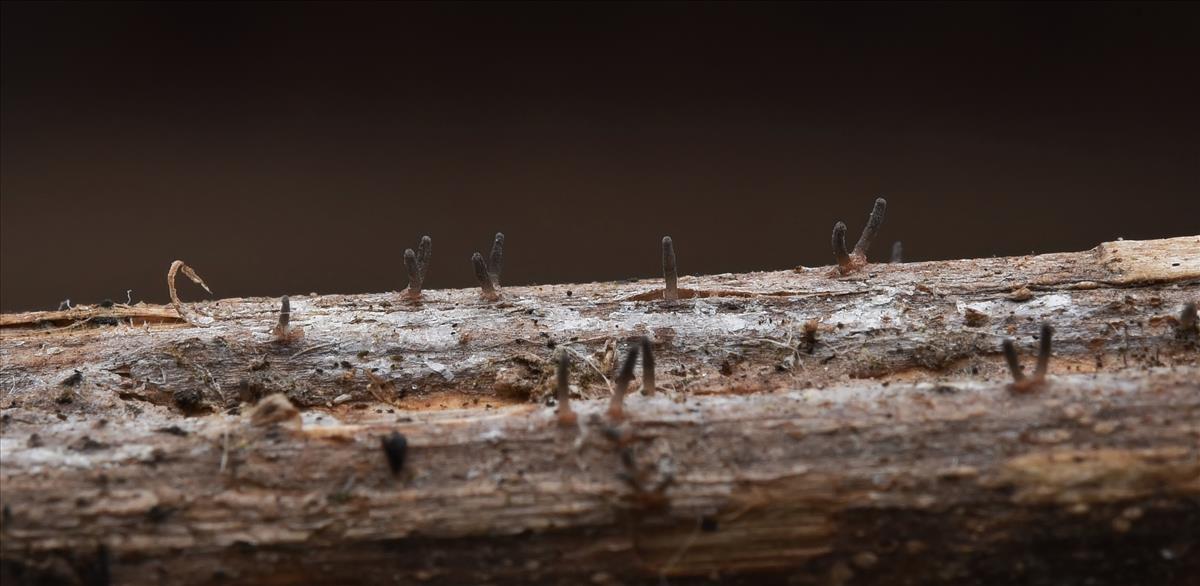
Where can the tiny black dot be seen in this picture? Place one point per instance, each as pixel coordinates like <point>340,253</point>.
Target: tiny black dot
<point>708,524</point>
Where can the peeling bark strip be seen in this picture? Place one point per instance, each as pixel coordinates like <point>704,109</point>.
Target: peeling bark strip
<point>806,429</point>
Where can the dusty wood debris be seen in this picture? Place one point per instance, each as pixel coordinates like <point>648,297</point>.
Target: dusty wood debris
<point>806,429</point>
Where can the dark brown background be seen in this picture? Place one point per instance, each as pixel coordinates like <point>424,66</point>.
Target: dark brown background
<point>286,148</point>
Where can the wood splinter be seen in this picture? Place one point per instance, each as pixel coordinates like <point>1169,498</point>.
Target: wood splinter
<point>848,262</point>
<point>1020,383</point>
<point>670,274</point>
<point>191,274</point>
<point>566,417</point>
<point>416,263</point>
<point>616,408</point>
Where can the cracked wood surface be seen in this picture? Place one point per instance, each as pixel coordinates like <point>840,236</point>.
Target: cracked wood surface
<point>811,429</point>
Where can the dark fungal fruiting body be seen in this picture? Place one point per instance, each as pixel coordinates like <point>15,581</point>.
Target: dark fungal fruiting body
<point>487,289</point>
<point>616,408</point>
<point>414,273</point>
<point>395,447</point>
<point>874,222</point>
<point>1021,383</point>
<point>850,261</point>
<point>1043,359</point>
<point>496,260</point>
<point>283,331</point>
<point>840,255</point>
<point>670,273</point>
<point>566,417</point>
<point>416,263</point>
<point>1010,358</point>
<point>648,382</point>
<point>1189,325</point>
<point>487,273</point>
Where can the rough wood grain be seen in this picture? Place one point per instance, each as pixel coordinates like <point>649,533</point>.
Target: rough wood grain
<point>811,429</point>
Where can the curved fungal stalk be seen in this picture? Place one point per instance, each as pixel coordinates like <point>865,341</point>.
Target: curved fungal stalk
<point>488,272</point>
<point>487,289</point>
<point>839,248</point>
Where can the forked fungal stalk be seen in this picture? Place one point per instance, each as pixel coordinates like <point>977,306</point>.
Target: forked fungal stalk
<point>850,261</point>
<point>488,290</point>
<point>1021,383</point>
<point>416,263</point>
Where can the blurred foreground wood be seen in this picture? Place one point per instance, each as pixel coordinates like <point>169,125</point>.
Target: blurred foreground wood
<point>808,429</point>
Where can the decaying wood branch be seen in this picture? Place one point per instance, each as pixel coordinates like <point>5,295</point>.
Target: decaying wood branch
<point>807,429</point>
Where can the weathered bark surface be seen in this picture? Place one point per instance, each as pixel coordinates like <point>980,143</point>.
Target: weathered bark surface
<point>810,428</point>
